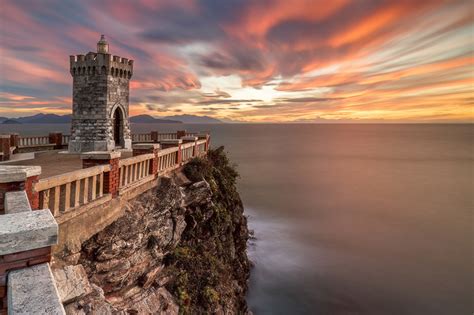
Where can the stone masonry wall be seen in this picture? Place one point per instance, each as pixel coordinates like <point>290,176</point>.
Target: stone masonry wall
<point>90,123</point>
<point>100,85</point>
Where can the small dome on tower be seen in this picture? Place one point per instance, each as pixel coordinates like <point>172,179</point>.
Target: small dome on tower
<point>102,45</point>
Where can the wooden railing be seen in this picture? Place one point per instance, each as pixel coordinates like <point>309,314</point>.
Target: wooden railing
<point>168,158</point>
<point>134,169</point>
<point>33,140</point>
<point>66,191</point>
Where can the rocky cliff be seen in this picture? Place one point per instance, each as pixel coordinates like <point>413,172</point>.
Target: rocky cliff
<point>179,248</point>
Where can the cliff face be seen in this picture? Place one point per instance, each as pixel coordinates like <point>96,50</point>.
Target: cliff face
<point>180,248</point>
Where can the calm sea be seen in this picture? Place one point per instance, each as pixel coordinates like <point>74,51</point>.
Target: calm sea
<point>352,219</point>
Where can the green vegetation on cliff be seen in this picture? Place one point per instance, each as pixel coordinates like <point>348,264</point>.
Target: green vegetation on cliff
<point>210,267</point>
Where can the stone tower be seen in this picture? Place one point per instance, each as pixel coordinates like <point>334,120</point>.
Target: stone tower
<point>100,96</point>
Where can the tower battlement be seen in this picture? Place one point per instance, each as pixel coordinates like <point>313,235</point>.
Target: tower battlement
<point>99,63</point>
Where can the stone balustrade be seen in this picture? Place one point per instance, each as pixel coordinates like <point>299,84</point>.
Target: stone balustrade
<point>187,150</point>
<point>14,143</point>
<point>64,192</point>
<point>135,169</point>
<point>26,283</point>
<point>33,141</point>
<point>155,136</point>
<point>167,158</point>
<point>142,137</point>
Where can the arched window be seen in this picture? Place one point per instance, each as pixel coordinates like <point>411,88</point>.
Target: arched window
<point>88,70</point>
<point>121,73</point>
<point>129,74</point>
<point>103,70</point>
<point>73,71</point>
<point>83,70</point>
<point>116,72</point>
<point>93,70</point>
<point>112,72</point>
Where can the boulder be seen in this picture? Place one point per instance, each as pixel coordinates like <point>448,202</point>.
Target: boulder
<point>72,283</point>
<point>197,194</point>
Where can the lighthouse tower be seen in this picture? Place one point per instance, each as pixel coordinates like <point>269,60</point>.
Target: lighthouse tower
<point>100,96</point>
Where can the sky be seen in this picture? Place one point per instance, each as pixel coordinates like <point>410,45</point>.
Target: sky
<point>250,60</point>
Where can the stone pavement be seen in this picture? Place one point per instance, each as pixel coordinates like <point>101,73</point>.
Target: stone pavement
<point>54,163</point>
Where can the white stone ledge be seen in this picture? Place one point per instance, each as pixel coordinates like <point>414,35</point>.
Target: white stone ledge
<point>171,141</point>
<point>16,173</point>
<point>146,146</point>
<point>100,155</point>
<point>189,138</point>
<point>16,201</point>
<point>32,290</point>
<point>37,145</point>
<point>27,230</point>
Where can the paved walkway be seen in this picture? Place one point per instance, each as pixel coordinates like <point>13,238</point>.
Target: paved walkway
<point>54,163</point>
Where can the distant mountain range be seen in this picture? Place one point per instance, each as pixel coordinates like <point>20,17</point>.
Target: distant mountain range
<point>152,120</point>
<point>38,119</point>
<point>192,119</point>
<point>66,119</point>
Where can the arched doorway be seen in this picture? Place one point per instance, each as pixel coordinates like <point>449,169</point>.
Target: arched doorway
<point>118,126</point>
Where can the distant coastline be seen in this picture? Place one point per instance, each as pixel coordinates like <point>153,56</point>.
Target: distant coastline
<point>66,119</point>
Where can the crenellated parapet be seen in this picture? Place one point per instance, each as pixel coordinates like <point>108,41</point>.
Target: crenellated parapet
<point>99,64</point>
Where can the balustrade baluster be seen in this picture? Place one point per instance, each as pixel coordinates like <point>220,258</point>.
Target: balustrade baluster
<point>101,184</point>
<point>94,187</point>
<point>67,197</point>
<point>45,200</point>
<point>77,191</point>
<point>85,195</point>
<point>121,176</point>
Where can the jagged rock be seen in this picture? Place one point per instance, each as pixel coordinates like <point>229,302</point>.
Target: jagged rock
<point>93,303</point>
<point>197,194</point>
<point>72,283</point>
<point>151,276</point>
<point>157,301</point>
<point>180,247</point>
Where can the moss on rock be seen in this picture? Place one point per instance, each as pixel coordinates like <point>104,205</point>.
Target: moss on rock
<point>210,266</point>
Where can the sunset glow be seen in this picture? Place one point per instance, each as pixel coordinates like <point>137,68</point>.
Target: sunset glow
<point>253,61</point>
